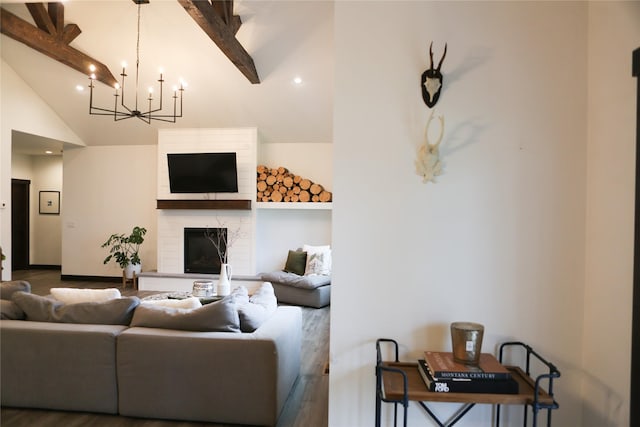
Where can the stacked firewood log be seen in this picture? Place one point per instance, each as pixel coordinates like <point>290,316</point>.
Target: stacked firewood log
<point>280,185</point>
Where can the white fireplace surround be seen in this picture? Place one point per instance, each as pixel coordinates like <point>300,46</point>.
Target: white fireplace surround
<point>172,222</point>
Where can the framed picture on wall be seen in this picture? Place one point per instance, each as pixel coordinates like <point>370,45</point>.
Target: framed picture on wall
<point>50,202</point>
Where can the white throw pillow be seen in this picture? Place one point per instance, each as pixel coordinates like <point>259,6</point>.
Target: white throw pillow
<point>318,260</point>
<point>76,295</point>
<point>187,303</point>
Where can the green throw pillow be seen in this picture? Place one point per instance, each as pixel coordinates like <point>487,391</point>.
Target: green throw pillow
<point>296,262</point>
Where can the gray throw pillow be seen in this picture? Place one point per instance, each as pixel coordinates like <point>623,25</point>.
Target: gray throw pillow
<point>9,310</point>
<point>41,309</point>
<point>258,309</point>
<point>8,288</point>
<point>219,316</point>
<point>35,307</point>
<point>240,295</point>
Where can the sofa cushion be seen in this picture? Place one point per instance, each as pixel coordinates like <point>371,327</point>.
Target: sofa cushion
<point>318,260</point>
<point>75,295</point>
<point>113,312</point>
<point>291,279</point>
<point>240,294</point>
<point>9,310</point>
<point>296,262</point>
<point>260,307</point>
<point>8,288</point>
<point>219,316</point>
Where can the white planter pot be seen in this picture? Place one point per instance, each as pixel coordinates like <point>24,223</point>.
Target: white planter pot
<point>132,268</point>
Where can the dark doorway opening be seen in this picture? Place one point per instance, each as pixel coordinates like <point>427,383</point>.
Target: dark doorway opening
<point>20,193</point>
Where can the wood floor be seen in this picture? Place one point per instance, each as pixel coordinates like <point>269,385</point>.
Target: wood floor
<point>307,405</point>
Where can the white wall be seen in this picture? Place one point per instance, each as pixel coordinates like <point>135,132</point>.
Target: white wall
<point>311,161</point>
<point>46,230</point>
<point>21,167</point>
<point>614,32</point>
<point>500,238</point>
<point>281,230</point>
<point>21,109</point>
<point>108,189</point>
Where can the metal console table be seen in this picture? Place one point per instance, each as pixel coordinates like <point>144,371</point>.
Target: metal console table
<point>400,382</point>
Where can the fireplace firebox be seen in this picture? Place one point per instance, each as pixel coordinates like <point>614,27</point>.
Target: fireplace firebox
<point>200,254</point>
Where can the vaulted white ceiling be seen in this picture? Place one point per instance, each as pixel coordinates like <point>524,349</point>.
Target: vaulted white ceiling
<point>286,39</point>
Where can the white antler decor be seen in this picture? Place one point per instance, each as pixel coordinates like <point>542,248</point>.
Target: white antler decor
<point>428,164</point>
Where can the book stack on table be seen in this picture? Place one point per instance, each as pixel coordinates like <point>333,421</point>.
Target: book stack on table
<point>442,374</point>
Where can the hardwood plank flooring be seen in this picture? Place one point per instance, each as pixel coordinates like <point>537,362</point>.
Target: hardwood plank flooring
<point>307,405</point>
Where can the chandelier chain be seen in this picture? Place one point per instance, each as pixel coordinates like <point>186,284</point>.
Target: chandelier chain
<point>137,57</point>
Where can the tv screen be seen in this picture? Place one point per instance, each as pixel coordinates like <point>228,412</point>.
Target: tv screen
<point>202,172</point>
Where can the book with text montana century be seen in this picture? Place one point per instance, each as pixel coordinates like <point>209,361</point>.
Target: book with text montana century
<point>442,366</point>
<point>465,385</point>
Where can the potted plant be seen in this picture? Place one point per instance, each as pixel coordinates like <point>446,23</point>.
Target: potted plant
<point>124,250</point>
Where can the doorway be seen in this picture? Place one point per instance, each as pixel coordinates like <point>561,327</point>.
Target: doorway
<point>20,193</point>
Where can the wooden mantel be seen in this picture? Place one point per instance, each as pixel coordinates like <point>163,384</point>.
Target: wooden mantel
<point>204,204</point>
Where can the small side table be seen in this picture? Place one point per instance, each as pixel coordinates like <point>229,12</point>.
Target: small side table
<point>400,382</point>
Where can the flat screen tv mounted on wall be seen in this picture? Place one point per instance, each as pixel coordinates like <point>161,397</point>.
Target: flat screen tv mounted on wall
<point>203,172</point>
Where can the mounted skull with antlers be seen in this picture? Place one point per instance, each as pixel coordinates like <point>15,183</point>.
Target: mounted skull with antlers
<point>428,164</point>
<point>432,80</point>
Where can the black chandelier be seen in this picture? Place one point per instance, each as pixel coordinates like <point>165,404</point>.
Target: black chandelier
<point>126,112</point>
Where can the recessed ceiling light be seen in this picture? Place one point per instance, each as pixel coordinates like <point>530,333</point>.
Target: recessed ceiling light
<point>79,88</point>
<point>49,152</point>
<point>297,80</point>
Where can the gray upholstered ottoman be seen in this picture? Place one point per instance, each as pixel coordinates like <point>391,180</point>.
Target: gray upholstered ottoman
<point>312,291</point>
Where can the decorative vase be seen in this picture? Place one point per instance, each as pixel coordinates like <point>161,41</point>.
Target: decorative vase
<point>223,287</point>
<point>132,268</point>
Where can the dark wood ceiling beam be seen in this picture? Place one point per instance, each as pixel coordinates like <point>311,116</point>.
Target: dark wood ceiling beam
<point>56,14</point>
<point>207,17</point>
<point>52,46</point>
<point>51,20</point>
<point>41,17</point>
<point>70,32</point>
<point>224,9</point>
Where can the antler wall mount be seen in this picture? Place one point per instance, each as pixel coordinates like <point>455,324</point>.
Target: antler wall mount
<point>428,164</point>
<point>432,80</point>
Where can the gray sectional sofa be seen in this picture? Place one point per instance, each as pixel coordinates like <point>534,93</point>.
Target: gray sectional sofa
<point>222,377</point>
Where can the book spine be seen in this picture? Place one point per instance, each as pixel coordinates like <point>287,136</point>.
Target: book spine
<point>448,375</point>
<point>509,386</point>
